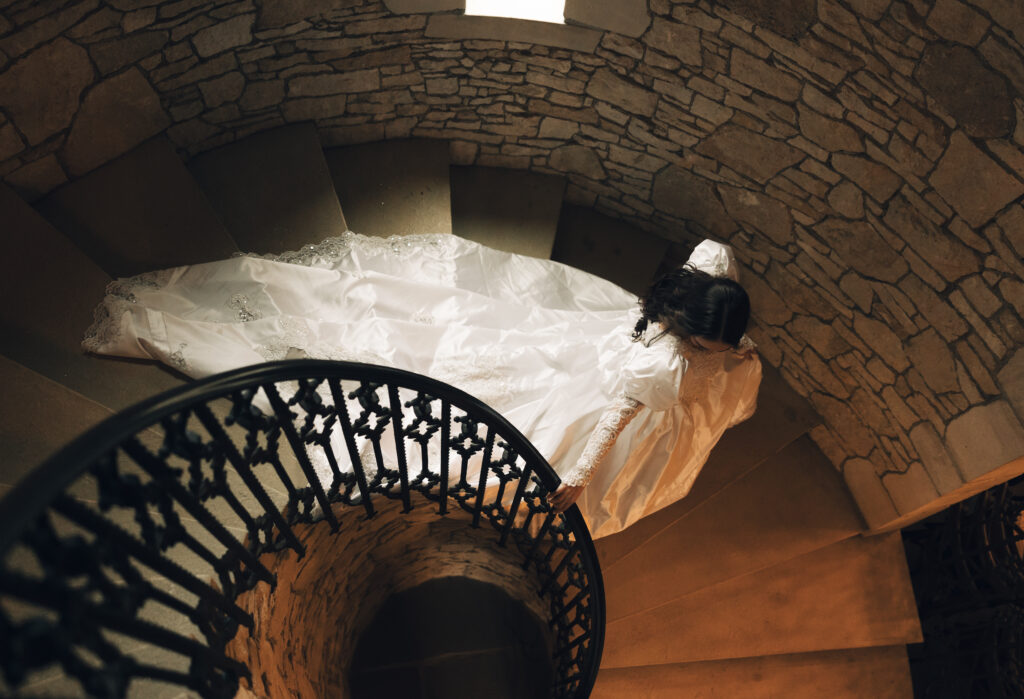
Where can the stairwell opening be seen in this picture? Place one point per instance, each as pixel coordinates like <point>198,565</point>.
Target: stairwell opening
<point>394,603</point>
<point>452,637</point>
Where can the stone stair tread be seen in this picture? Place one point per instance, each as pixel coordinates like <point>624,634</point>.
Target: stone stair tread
<point>272,190</point>
<point>38,416</point>
<point>792,503</point>
<point>608,248</point>
<point>511,210</point>
<point>878,672</point>
<point>141,212</point>
<point>50,289</point>
<point>781,417</point>
<point>397,187</point>
<point>852,594</point>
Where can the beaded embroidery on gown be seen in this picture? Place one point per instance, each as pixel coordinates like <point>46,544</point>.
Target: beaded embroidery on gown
<point>546,345</point>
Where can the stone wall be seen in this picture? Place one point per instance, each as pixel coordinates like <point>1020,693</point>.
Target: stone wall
<point>864,157</point>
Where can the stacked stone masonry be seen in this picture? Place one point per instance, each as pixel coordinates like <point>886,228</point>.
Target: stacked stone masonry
<point>864,157</point>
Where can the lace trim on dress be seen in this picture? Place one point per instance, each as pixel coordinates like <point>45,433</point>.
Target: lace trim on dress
<point>327,253</point>
<point>120,296</point>
<point>616,416</point>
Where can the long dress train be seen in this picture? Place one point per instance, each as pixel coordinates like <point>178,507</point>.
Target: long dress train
<point>546,345</point>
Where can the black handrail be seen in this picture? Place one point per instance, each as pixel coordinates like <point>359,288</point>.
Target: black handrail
<point>131,499</point>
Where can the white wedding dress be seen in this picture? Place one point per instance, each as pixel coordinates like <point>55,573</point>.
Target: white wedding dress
<point>546,345</point>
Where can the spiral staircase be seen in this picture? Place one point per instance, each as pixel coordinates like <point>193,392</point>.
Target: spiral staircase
<point>760,583</point>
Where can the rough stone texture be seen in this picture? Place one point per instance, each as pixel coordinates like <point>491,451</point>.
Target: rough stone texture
<point>985,438</point>
<point>863,249</point>
<point>682,193</point>
<point>762,213</point>
<point>579,160</point>
<point>973,94</point>
<point>117,115</point>
<point>59,72</point>
<point>674,39</point>
<point>972,183</point>
<point>322,601</point>
<point>865,158</point>
<point>749,153</point>
<point>790,18</point>
<point>628,17</point>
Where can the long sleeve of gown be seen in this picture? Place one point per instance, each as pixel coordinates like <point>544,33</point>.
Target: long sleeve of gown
<point>616,416</point>
<point>650,379</point>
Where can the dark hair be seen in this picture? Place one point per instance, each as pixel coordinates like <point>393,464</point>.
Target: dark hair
<point>692,303</point>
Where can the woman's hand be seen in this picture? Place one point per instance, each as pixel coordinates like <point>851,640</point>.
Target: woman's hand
<point>564,497</point>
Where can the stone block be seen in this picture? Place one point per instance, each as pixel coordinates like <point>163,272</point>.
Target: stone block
<point>763,76</point>
<point>931,356</point>
<point>622,93</point>
<point>672,38</point>
<point>749,153</point>
<point>764,214</point>
<point>279,13</point>
<point>682,193</point>
<point>1011,382</point>
<point>578,160</point>
<point>790,18</point>
<point>974,95</point>
<point>874,178</point>
<point>58,74</point>
<point>943,253</point>
<point>985,438</point>
<point>911,489</point>
<point>628,17</point>
<point>116,115</point>
<point>972,183</point>
<point>882,340</point>
<point>112,56</point>
<point>262,94</point>
<point>847,200</point>
<point>935,457</point>
<point>334,83</point>
<point>862,248</point>
<point>226,88</point>
<point>955,21</point>
<point>225,35</point>
<point>830,134</point>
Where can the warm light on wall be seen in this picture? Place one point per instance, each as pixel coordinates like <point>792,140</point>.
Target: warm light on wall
<point>539,10</point>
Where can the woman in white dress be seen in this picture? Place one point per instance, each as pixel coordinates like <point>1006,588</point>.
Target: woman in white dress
<point>624,400</point>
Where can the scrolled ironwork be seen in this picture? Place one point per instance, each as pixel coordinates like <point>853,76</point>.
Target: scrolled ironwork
<point>144,532</point>
<point>967,567</point>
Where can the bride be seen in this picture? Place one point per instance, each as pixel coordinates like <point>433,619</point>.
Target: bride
<point>625,400</point>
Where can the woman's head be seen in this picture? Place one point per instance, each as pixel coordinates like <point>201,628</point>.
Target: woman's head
<point>692,304</point>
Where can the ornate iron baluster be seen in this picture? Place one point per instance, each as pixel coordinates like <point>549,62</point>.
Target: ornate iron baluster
<point>285,417</point>
<point>396,423</point>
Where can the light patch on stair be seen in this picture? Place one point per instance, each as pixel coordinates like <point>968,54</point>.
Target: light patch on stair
<point>538,10</point>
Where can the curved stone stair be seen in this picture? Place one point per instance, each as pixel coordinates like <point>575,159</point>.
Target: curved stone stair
<point>758,584</point>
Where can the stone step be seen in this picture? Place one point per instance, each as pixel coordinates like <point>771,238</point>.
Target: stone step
<point>141,212</point>
<point>272,189</point>
<point>38,416</point>
<point>879,673</point>
<point>511,210</point>
<point>853,594</point>
<point>782,416</point>
<point>393,187</point>
<point>792,503</point>
<point>50,288</point>
<point>608,248</point>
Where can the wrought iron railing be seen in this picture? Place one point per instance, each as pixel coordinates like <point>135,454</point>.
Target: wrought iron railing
<point>144,532</point>
<point>967,566</point>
